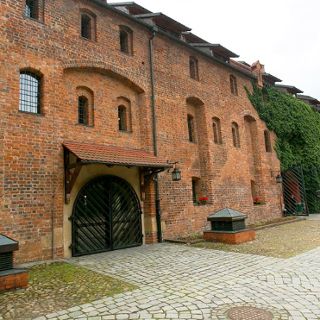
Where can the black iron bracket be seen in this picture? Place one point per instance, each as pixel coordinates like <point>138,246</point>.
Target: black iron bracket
<point>150,173</point>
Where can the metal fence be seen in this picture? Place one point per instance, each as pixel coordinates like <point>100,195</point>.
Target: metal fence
<point>301,193</point>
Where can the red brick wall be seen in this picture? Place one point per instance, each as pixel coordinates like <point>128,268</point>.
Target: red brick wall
<point>31,160</point>
<point>14,281</point>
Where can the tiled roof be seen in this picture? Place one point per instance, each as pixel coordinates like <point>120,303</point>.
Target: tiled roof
<point>164,22</point>
<point>217,48</point>
<point>113,155</point>
<point>132,7</point>
<point>308,98</point>
<point>241,66</point>
<point>290,89</point>
<point>271,77</point>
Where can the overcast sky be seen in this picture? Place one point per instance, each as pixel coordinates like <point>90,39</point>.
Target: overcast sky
<point>283,34</point>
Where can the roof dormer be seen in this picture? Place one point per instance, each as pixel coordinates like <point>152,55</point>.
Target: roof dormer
<point>131,8</point>
<point>163,22</point>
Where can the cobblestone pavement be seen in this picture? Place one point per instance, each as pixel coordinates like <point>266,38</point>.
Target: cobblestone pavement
<point>181,282</point>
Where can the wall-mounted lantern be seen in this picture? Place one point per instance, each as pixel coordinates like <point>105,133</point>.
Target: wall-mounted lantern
<point>279,178</point>
<point>176,173</point>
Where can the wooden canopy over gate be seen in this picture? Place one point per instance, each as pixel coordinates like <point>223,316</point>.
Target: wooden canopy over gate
<point>77,155</point>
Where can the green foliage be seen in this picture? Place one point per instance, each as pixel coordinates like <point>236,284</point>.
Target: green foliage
<point>296,124</point>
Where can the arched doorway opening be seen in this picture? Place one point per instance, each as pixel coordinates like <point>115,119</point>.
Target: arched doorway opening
<point>106,216</point>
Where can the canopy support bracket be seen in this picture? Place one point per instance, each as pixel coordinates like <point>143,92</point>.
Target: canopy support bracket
<point>72,170</point>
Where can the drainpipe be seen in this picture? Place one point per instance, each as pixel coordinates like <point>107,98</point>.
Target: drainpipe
<point>154,135</point>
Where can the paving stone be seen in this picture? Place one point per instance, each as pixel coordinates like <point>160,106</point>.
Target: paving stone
<point>180,282</point>
<point>75,314</point>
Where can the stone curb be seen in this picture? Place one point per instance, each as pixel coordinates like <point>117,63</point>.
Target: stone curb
<point>183,241</point>
<point>298,219</point>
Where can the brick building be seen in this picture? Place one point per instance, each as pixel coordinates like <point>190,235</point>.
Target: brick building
<point>97,101</point>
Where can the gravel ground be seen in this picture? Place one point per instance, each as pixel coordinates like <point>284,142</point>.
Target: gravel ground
<point>57,286</point>
<point>283,241</point>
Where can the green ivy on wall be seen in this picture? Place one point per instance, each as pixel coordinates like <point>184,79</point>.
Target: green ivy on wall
<point>297,126</point>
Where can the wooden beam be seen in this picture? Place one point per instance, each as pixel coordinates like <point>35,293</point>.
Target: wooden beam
<point>72,171</point>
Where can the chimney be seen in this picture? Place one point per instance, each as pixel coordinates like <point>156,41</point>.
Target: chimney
<point>258,69</point>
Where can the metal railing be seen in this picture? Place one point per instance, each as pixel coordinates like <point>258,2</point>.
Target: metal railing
<point>301,193</point>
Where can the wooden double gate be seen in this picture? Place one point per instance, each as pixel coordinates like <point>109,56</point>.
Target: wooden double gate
<point>106,216</point>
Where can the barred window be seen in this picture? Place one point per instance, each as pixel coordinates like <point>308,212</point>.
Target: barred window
<point>83,108</point>
<point>32,9</point>
<point>30,85</point>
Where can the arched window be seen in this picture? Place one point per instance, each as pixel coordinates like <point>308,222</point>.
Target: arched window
<point>88,25</point>
<point>267,141</point>
<point>122,118</point>
<point>83,110</point>
<point>126,40</point>
<point>193,66</point>
<point>30,92</point>
<point>32,9</point>
<point>235,135</point>
<point>85,106</point>
<point>233,85</point>
<point>216,126</point>
<point>191,134</point>
<point>124,114</point>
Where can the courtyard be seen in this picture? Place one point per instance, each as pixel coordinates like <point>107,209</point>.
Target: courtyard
<point>169,281</point>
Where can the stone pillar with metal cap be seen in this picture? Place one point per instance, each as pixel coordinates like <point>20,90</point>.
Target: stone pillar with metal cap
<point>10,278</point>
<point>228,226</point>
